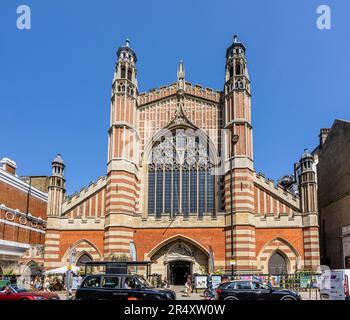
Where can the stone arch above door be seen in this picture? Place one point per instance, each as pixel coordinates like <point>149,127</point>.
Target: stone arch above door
<point>178,248</point>
<point>83,246</point>
<point>283,247</point>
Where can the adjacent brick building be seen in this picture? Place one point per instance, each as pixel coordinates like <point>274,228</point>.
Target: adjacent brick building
<point>333,171</point>
<point>23,209</point>
<point>173,175</point>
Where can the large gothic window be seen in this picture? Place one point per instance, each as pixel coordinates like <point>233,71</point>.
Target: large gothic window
<point>180,180</point>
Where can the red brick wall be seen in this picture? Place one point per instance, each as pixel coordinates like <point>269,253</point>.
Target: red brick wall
<point>17,199</point>
<point>17,234</point>
<point>146,239</point>
<point>70,237</point>
<point>293,236</point>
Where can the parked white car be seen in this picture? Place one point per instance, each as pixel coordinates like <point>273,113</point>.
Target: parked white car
<point>334,284</point>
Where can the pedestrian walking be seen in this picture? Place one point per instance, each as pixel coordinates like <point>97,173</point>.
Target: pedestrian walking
<point>80,280</point>
<point>188,285</point>
<point>37,283</point>
<point>47,284</point>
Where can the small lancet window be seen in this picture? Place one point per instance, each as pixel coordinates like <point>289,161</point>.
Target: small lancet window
<point>129,74</point>
<point>123,72</point>
<point>238,69</point>
<point>231,72</point>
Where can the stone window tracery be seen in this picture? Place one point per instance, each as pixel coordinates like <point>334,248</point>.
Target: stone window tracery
<point>180,180</point>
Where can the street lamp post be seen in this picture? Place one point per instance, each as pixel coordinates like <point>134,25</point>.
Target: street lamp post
<point>234,140</point>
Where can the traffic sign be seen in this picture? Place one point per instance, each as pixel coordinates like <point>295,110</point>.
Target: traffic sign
<point>232,262</point>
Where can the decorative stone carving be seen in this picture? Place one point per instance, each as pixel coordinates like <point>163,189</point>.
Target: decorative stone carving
<point>180,249</point>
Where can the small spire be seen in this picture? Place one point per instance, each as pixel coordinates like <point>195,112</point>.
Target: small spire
<point>127,42</point>
<point>181,77</point>
<point>181,70</point>
<point>235,38</point>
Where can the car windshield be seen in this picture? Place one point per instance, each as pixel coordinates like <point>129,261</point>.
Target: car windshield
<point>144,282</point>
<point>22,288</point>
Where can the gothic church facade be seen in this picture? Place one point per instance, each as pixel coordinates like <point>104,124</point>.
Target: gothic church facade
<point>180,188</point>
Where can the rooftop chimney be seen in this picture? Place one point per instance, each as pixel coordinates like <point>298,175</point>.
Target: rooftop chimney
<point>9,165</point>
<point>323,135</point>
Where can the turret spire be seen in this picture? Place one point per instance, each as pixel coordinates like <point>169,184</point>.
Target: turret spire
<point>181,76</point>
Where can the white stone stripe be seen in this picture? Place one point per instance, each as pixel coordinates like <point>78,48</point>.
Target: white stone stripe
<point>310,246</point>
<point>14,244</point>
<point>116,246</point>
<point>247,233</point>
<point>51,256</point>
<point>239,245</point>
<point>53,242</point>
<point>119,233</point>
<point>120,207</point>
<point>47,248</point>
<point>21,226</point>
<point>242,262</point>
<point>120,184</point>
<point>120,176</point>
<point>122,193</point>
<point>310,232</point>
<point>52,235</point>
<point>107,241</point>
<point>120,198</point>
<point>311,254</point>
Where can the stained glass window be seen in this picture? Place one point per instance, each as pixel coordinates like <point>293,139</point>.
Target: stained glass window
<point>179,178</point>
<point>159,193</point>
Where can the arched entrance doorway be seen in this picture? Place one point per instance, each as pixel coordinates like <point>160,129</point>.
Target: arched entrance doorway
<point>178,271</point>
<point>83,259</point>
<point>277,264</point>
<point>177,258</point>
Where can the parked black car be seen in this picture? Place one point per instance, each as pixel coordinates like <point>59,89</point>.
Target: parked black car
<point>120,287</point>
<point>253,290</point>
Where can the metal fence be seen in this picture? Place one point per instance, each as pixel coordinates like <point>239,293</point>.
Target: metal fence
<point>296,282</point>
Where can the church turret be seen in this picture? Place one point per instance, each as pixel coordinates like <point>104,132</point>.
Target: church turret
<point>57,187</point>
<point>307,183</point>
<point>122,166</point>
<point>237,108</point>
<point>238,152</point>
<point>308,207</point>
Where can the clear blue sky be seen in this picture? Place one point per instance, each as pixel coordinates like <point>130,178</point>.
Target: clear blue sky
<point>55,79</point>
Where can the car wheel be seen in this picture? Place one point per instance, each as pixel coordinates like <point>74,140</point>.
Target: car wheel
<point>290,298</point>
<point>231,298</point>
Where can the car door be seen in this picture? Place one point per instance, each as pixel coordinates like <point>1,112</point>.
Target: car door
<point>262,291</point>
<point>90,288</point>
<point>9,295</point>
<point>5,296</point>
<point>244,291</point>
<point>111,288</point>
<point>133,289</point>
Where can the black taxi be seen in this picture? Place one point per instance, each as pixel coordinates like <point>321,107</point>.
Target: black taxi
<point>120,287</point>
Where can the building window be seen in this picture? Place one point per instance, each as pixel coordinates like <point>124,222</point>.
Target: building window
<point>129,74</point>
<point>123,72</point>
<point>238,69</point>
<point>180,180</point>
